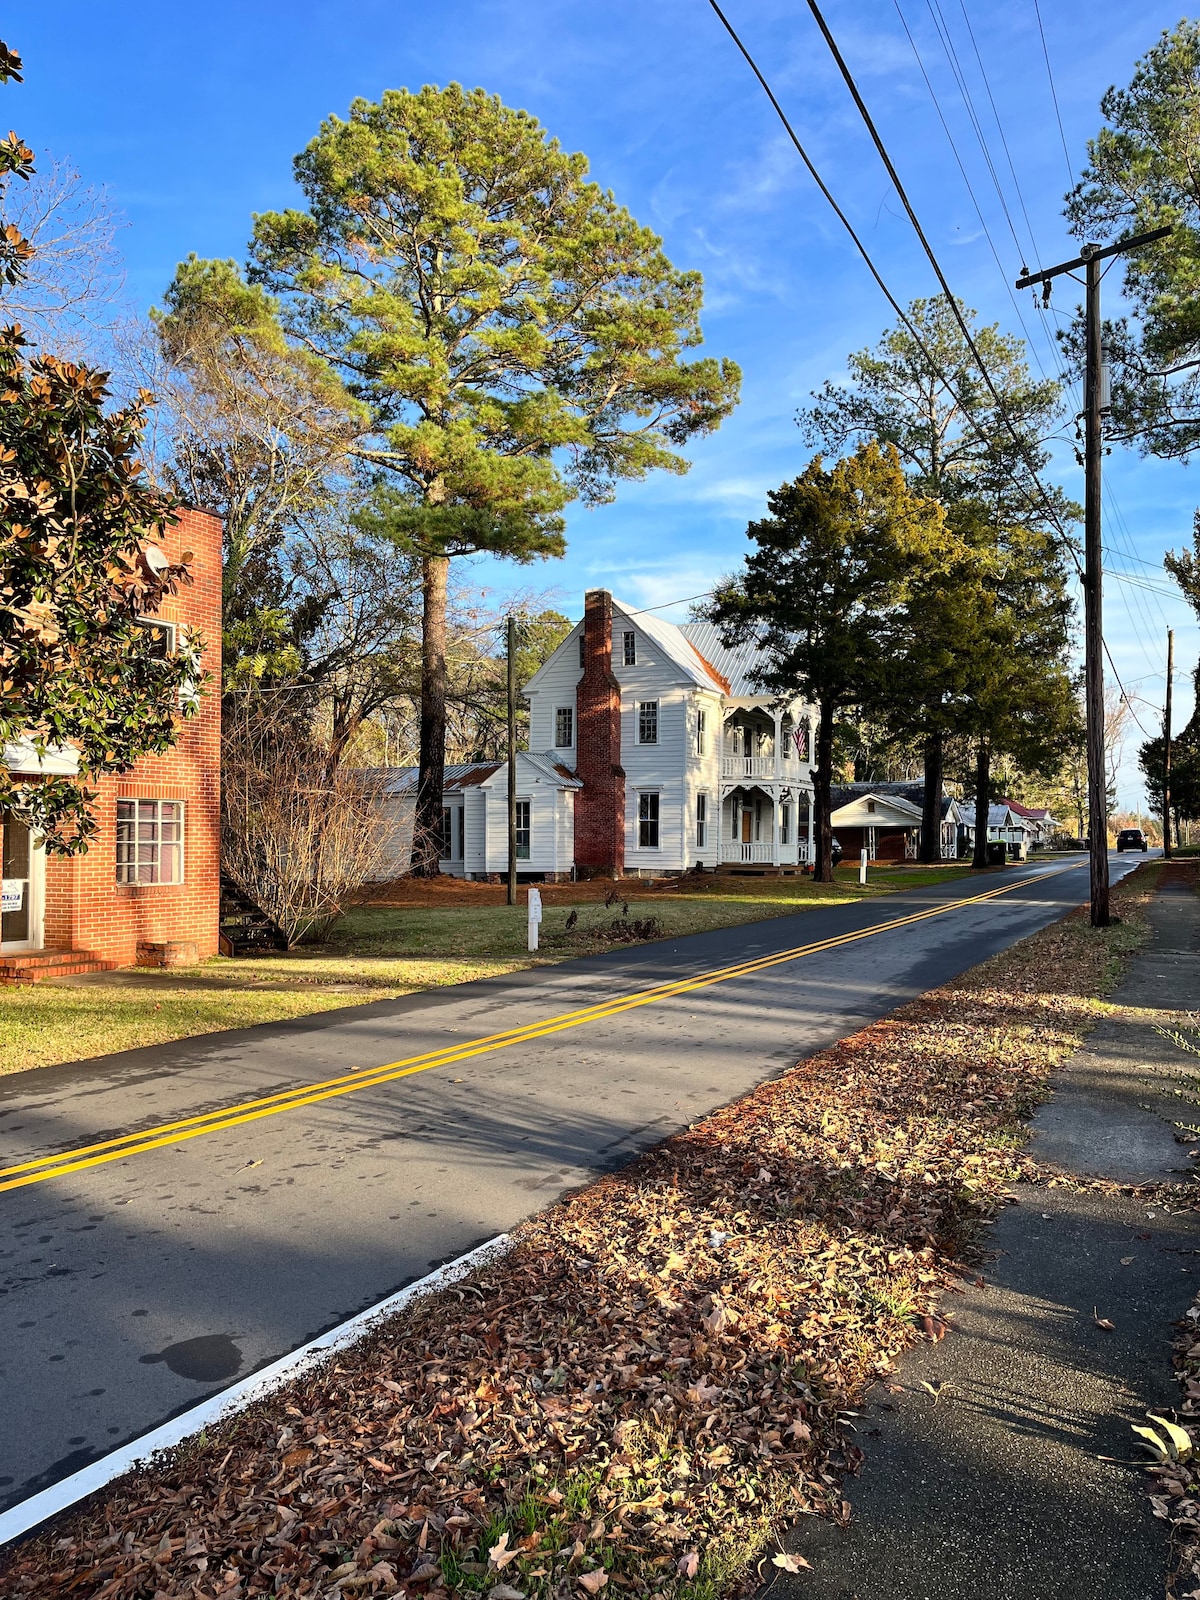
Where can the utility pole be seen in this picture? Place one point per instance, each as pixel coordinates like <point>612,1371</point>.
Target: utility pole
<point>1167,746</point>
<point>512,761</point>
<point>1094,406</point>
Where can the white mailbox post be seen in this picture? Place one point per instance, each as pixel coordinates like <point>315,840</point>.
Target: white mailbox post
<point>862,865</point>
<point>535,916</point>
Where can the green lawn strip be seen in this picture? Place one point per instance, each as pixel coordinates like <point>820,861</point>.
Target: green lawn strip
<point>376,953</point>
<point>656,1379</point>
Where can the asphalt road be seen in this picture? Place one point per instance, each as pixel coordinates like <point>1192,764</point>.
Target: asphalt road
<point>134,1287</point>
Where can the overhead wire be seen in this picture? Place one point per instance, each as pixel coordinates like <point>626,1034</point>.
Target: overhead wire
<point>1037,11</point>
<point>1137,611</point>
<point>951,299</point>
<point>887,293</point>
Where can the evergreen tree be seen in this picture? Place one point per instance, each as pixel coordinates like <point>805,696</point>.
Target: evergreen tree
<point>955,447</point>
<point>821,592</point>
<point>516,339</point>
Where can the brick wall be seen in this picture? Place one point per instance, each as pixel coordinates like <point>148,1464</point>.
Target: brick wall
<point>600,804</point>
<point>86,908</point>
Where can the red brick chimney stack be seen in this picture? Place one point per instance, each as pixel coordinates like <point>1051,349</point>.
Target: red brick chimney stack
<point>600,804</point>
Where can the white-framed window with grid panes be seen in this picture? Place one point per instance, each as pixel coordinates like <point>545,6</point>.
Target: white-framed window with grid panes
<point>149,841</point>
<point>647,721</point>
<point>701,821</point>
<point>629,649</point>
<point>524,831</point>
<point>701,732</point>
<point>648,820</point>
<point>564,728</point>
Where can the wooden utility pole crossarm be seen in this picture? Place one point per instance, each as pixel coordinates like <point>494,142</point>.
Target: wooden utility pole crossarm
<point>1094,409</point>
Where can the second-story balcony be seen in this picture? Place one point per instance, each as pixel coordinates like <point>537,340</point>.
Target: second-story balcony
<point>741,766</point>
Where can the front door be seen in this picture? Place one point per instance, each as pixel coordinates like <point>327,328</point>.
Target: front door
<point>747,824</point>
<point>21,906</point>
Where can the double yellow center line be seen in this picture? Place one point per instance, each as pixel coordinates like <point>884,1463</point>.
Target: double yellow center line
<point>62,1163</point>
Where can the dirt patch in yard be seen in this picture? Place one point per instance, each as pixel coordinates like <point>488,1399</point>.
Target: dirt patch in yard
<point>658,1375</point>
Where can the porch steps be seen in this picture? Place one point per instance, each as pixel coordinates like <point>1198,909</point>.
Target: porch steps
<point>245,930</point>
<point>38,966</point>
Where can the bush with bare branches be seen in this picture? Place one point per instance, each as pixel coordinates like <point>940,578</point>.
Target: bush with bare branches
<point>300,833</point>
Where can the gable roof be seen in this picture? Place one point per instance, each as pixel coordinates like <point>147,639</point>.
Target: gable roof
<point>848,807</point>
<point>694,647</point>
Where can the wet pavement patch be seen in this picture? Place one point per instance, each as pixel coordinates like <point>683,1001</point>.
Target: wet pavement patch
<point>206,1359</point>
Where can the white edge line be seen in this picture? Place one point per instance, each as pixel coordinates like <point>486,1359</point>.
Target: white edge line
<point>23,1518</point>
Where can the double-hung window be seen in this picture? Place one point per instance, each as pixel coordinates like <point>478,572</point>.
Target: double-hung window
<point>629,642</point>
<point>647,821</point>
<point>447,835</point>
<point>149,841</point>
<point>583,650</point>
<point>648,722</point>
<point>522,830</point>
<point>701,821</point>
<point>701,732</point>
<point>785,823</point>
<point>564,728</point>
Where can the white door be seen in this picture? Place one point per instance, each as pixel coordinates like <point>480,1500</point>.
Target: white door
<point>23,875</point>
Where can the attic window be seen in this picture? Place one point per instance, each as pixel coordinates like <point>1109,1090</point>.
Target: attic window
<point>629,640</point>
<point>870,805</point>
<point>583,650</point>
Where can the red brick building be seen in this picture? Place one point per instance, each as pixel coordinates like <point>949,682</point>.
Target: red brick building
<point>148,887</point>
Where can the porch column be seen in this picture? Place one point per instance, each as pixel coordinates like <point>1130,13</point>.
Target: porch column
<point>811,798</point>
<point>778,718</point>
<point>775,813</point>
<point>720,806</point>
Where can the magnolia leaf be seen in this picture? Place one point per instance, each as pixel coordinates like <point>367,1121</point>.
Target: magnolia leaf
<point>505,1591</point>
<point>1181,1439</point>
<point>689,1564</point>
<point>1156,1445</point>
<point>593,1582</point>
<point>500,1555</point>
<point>790,1563</point>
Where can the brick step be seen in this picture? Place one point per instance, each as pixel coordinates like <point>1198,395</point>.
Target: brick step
<point>39,965</point>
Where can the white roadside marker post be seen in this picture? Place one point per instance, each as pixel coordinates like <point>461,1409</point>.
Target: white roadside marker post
<point>535,916</point>
<point>862,865</point>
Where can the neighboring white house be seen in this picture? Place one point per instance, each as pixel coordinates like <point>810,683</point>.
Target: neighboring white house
<point>651,751</point>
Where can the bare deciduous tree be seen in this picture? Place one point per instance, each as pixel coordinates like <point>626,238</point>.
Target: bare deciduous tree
<point>299,834</point>
<point>69,294</point>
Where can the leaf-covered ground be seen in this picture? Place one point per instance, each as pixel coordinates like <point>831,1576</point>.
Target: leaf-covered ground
<point>650,1384</point>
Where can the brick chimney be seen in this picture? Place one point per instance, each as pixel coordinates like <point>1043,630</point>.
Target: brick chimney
<point>600,804</point>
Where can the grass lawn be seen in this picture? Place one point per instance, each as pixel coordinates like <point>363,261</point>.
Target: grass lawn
<point>382,950</point>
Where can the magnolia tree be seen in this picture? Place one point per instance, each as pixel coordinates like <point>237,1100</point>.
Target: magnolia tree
<point>80,563</point>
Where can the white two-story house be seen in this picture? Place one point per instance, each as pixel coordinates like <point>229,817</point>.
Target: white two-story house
<point>651,751</point>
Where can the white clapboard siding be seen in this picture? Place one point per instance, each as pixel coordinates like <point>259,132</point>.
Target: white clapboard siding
<point>556,684</point>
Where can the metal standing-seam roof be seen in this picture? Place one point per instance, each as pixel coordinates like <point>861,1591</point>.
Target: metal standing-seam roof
<point>736,665</point>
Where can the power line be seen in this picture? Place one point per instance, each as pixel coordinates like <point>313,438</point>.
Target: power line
<point>894,303</point>
<point>848,77</point>
<point>1037,11</point>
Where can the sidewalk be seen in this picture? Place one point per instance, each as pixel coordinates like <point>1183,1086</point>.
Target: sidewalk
<point>996,1489</point>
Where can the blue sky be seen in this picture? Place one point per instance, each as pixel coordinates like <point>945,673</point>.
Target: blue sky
<point>191,115</point>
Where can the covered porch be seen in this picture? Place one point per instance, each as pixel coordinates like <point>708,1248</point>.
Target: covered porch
<point>760,743</point>
<point>765,825</point>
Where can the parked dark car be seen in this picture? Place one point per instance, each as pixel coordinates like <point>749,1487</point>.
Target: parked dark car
<point>1132,839</point>
<point>835,849</point>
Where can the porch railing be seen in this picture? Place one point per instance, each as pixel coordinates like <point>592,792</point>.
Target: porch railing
<point>747,766</point>
<point>747,852</point>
